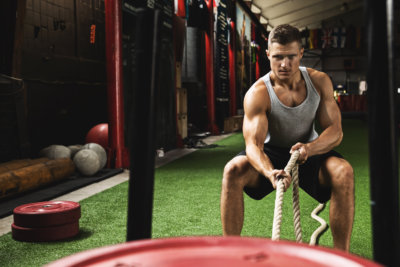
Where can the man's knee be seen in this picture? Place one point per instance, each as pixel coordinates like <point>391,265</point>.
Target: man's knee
<point>235,172</point>
<point>342,176</point>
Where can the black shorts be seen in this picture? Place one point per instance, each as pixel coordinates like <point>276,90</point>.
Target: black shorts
<point>308,174</point>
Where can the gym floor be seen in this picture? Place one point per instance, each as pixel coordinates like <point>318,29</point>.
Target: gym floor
<point>186,203</point>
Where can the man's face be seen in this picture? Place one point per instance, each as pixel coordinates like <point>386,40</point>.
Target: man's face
<point>285,59</point>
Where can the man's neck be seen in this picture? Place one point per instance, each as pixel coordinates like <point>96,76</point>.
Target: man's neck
<point>291,83</point>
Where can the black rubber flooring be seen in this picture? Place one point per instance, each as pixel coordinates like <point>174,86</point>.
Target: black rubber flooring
<point>48,192</point>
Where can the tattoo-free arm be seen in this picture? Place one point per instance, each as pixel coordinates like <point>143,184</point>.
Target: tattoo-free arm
<point>255,129</point>
<point>329,118</point>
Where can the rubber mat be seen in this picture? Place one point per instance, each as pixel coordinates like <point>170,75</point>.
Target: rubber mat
<point>49,192</point>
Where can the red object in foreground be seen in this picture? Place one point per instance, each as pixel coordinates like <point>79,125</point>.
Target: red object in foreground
<point>212,252</point>
<point>99,135</point>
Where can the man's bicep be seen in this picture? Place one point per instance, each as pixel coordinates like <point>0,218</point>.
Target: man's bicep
<point>328,112</point>
<point>255,129</point>
<point>255,125</point>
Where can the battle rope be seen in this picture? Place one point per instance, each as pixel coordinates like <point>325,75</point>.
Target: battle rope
<point>293,168</point>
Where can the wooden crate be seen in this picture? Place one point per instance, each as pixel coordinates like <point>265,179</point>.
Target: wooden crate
<point>181,101</point>
<point>233,124</point>
<point>181,111</point>
<point>182,125</point>
<point>178,74</point>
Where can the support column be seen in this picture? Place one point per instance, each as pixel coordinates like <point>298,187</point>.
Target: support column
<point>258,64</point>
<point>209,44</point>
<point>383,142</point>
<point>113,20</point>
<point>142,127</point>
<point>232,70</point>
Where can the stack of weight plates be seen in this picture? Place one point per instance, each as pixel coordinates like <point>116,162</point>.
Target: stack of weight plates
<point>46,221</point>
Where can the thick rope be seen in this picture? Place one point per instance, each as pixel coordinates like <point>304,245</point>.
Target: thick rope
<point>293,168</point>
<point>276,228</point>
<point>322,227</point>
<point>296,204</point>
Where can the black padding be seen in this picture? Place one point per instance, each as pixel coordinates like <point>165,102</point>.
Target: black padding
<point>72,183</point>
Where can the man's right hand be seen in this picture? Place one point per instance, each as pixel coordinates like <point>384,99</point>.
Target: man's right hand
<point>276,175</point>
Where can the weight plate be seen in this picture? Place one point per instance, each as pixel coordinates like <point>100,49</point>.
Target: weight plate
<point>48,213</point>
<point>212,252</point>
<point>43,234</point>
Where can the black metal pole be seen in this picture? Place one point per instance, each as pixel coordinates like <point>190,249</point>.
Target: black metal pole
<point>383,154</point>
<point>142,124</point>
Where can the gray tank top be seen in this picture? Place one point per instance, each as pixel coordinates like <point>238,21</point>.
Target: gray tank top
<point>289,125</point>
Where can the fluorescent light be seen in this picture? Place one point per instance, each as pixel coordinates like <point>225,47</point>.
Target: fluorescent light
<point>255,9</point>
<point>263,20</point>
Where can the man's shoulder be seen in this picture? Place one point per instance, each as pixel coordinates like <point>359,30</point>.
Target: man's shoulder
<point>259,87</point>
<point>321,81</point>
<point>258,94</point>
<point>316,74</point>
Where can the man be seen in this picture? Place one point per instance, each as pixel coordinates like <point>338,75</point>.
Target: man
<point>280,109</point>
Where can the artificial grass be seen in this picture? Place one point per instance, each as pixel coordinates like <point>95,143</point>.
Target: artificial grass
<point>187,203</point>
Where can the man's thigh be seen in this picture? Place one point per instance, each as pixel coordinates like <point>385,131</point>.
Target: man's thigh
<point>279,158</point>
<point>310,176</point>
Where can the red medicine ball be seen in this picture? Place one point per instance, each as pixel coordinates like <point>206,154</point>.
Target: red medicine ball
<point>99,135</point>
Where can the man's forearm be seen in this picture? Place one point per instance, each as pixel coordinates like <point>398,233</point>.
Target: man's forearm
<point>328,139</point>
<point>259,160</point>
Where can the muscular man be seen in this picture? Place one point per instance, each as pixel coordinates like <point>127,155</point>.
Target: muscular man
<point>280,109</point>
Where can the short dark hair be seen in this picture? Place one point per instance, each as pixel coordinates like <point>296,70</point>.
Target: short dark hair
<point>284,34</point>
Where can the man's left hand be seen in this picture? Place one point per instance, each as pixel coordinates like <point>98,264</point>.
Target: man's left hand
<point>303,149</point>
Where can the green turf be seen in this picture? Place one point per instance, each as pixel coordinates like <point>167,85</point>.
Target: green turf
<point>186,203</point>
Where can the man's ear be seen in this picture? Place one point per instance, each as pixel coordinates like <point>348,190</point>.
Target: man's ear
<point>301,52</point>
<point>266,51</point>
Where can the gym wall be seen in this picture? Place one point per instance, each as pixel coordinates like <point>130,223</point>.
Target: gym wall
<point>338,48</point>
<point>63,66</point>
